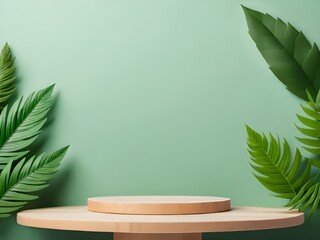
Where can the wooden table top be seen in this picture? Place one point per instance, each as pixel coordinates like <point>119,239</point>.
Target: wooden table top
<point>167,205</point>
<point>237,219</point>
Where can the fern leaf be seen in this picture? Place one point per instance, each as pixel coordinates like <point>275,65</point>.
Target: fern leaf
<point>311,127</point>
<point>21,124</point>
<point>308,196</point>
<point>16,185</point>
<point>7,78</point>
<point>290,56</point>
<point>273,166</point>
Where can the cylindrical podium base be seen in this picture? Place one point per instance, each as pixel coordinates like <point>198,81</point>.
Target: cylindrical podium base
<point>157,236</point>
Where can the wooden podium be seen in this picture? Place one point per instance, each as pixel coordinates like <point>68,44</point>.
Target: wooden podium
<point>159,217</point>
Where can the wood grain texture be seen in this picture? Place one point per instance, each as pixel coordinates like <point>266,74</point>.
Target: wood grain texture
<point>237,219</point>
<point>157,236</point>
<point>164,205</point>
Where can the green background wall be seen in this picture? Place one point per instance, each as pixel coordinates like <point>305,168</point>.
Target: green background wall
<point>153,97</point>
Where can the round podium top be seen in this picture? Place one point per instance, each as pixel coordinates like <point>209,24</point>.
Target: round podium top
<point>163,205</point>
<point>237,219</point>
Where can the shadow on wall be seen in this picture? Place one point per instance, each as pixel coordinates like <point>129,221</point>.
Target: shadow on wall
<point>48,197</point>
<point>51,196</point>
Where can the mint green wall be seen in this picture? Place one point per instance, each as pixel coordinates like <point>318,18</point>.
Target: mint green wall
<point>153,96</point>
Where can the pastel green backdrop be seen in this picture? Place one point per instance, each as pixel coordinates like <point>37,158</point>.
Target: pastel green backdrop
<point>153,97</point>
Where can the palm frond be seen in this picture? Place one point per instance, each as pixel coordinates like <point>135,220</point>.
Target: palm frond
<point>311,129</point>
<point>273,166</point>
<point>28,176</point>
<point>7,75</point>
<point>21,124</point>
<point>292,59</point>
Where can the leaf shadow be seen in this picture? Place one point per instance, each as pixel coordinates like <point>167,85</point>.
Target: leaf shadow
<point>52,195</point>
<point>47,200</point>
<point>48,197</point>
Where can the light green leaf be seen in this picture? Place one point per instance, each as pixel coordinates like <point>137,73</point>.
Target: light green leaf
<point>21,124</point>
<point>27,177</point>
<point>311,128</point>
<point>273,166</point>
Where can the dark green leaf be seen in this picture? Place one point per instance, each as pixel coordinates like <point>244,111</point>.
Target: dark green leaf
<point>289,54</point>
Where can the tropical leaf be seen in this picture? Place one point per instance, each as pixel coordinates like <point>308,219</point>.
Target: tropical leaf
<point>273,166</point>
<point>21,124</point>
<point>311,129</point>
<point>28,176</point>
<point>308,196</point>
<point>288,53</point>
<point>7,78</point>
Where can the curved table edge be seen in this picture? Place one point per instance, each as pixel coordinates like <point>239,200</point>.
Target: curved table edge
<point>171,227</point>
